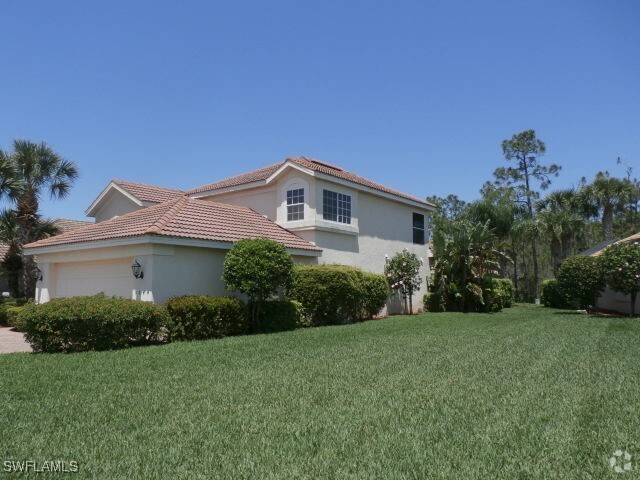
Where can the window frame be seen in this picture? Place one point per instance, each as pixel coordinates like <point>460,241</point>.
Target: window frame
<point>421,231</point>
<point>295,211</point>
<point>340,210</point>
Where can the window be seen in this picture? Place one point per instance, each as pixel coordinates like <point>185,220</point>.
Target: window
<point>295,204</point>
<point>336,207</point>
<point>418,228</point>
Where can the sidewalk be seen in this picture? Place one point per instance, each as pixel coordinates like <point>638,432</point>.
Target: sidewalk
<point>11,341</point>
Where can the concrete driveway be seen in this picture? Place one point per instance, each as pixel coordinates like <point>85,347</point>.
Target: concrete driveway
<point>11,342</point>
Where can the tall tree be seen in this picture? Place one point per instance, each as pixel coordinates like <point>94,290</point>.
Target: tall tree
<point>558,215</point>
<point>524,149</point>
<point>606,194</point>
<point>38,170</point>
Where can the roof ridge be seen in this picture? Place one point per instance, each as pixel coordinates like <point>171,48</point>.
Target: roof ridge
<point>119,181</point>
<point>169,215</point>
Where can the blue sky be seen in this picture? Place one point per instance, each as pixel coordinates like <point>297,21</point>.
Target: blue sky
<point>417,95</point>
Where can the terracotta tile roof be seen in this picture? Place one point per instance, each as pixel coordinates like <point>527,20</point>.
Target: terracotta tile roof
<point>311,164</point>
<point>149,193</point>
<point>184,217</point>
<point>67,224</point>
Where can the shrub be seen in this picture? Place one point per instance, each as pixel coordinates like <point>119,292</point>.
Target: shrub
<point>402,272</point>
<point>552,295</point>
<point>92,323</point>
<point>279,316</point>
<point>376,292</point>
<point>5,304</point>
<point>621,266</point>
<point>259,268</point>
<point>432,302</point>
<point>581,278</point>
<point>195,317</point>
<point>507,291</point>
<point>12,313</point>
<point>330,294</point>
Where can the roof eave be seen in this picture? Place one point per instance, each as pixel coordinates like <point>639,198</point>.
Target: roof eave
<point>90,211</point>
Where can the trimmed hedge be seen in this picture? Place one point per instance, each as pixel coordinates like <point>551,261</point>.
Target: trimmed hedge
<point>279,316</point>
<point>376,293</point>
<point>92,323</point>
<point>337,294</point>
<point>194,317</point>
<point>552,295</point>
<point>6,318</point>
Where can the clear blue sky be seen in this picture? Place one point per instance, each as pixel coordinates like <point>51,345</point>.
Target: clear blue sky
<point>417,95</point>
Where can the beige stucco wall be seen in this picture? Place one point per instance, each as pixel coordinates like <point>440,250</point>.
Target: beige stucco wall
<point>262,200</point>
<point>114,204</point>
<point>168,271</point>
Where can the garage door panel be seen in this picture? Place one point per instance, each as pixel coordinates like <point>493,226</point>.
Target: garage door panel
<point>113,278</point>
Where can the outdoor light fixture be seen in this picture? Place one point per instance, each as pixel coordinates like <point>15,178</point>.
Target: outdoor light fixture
<point>38,274</point>
<point>136,268</point>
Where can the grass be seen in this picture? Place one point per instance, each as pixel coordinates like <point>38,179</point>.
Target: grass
<point>527,393</point>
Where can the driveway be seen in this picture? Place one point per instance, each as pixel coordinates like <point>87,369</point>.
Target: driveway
<point>11,342</point>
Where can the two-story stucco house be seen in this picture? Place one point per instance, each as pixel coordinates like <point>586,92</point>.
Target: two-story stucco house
<point>319,212</point>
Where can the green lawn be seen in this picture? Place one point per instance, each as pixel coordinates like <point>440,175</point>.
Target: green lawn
<point>527,393</point>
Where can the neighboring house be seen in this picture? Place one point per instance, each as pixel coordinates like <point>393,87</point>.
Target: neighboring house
<point>609,299</point>
<point>320,212</point>
<point>64,225</point>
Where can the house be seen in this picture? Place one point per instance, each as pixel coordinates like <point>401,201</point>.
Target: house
<point>320,212</point>
<point>609,299</point>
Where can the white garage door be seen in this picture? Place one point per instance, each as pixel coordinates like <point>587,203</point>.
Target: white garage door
<point>111,277</point>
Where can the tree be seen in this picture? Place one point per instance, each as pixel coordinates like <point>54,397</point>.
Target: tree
<point>558,216</point>
<point>605,194</point>
<point>13,265</point>
<point>524,149</point>
<point>259,268</point>
<point>466,257</point>
<point>582,279</point>
<point>621,267</point>
<point>33,170</point>
<point>403,275</point>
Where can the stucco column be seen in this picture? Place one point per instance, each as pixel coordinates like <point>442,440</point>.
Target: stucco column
<point>45,288</point>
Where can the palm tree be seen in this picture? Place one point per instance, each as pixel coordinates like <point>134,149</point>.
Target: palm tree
<point>37,169</point>
<point>9,235</point>
<point>560,221</point>
<point>606,193</point>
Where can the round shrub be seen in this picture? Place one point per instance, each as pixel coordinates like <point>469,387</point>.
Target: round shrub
<point>376,293</point>
<point>621,266</point>
<point>195,317</point>
<point>92,323</point>
<point>330,294</point>
<point>552,295</point>
<point>432,302</point>
<point>581,278</point>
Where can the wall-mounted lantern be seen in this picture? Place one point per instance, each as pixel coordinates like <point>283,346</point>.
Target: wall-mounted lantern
<point>38,274</point>
<point>136,269</point>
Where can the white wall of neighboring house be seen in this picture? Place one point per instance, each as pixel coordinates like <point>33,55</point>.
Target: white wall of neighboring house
<point>617,302</point>
<point>113,205</point>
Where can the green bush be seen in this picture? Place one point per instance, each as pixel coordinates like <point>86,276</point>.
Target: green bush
<point>335,294</point>
<point>279,316</point>
<point>552,295</point>
<point>432,302</point>
<point>5,304</point>
<point>376,293</point>
<point>497,293</point>
<point>581,278</point>
<point>195,317</point>
<point>92,323</point>
<point>12,313</point>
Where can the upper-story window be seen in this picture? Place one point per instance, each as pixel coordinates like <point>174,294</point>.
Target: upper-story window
<point>336,207</point>
<point>418,228</point>
<point>295,204</point>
